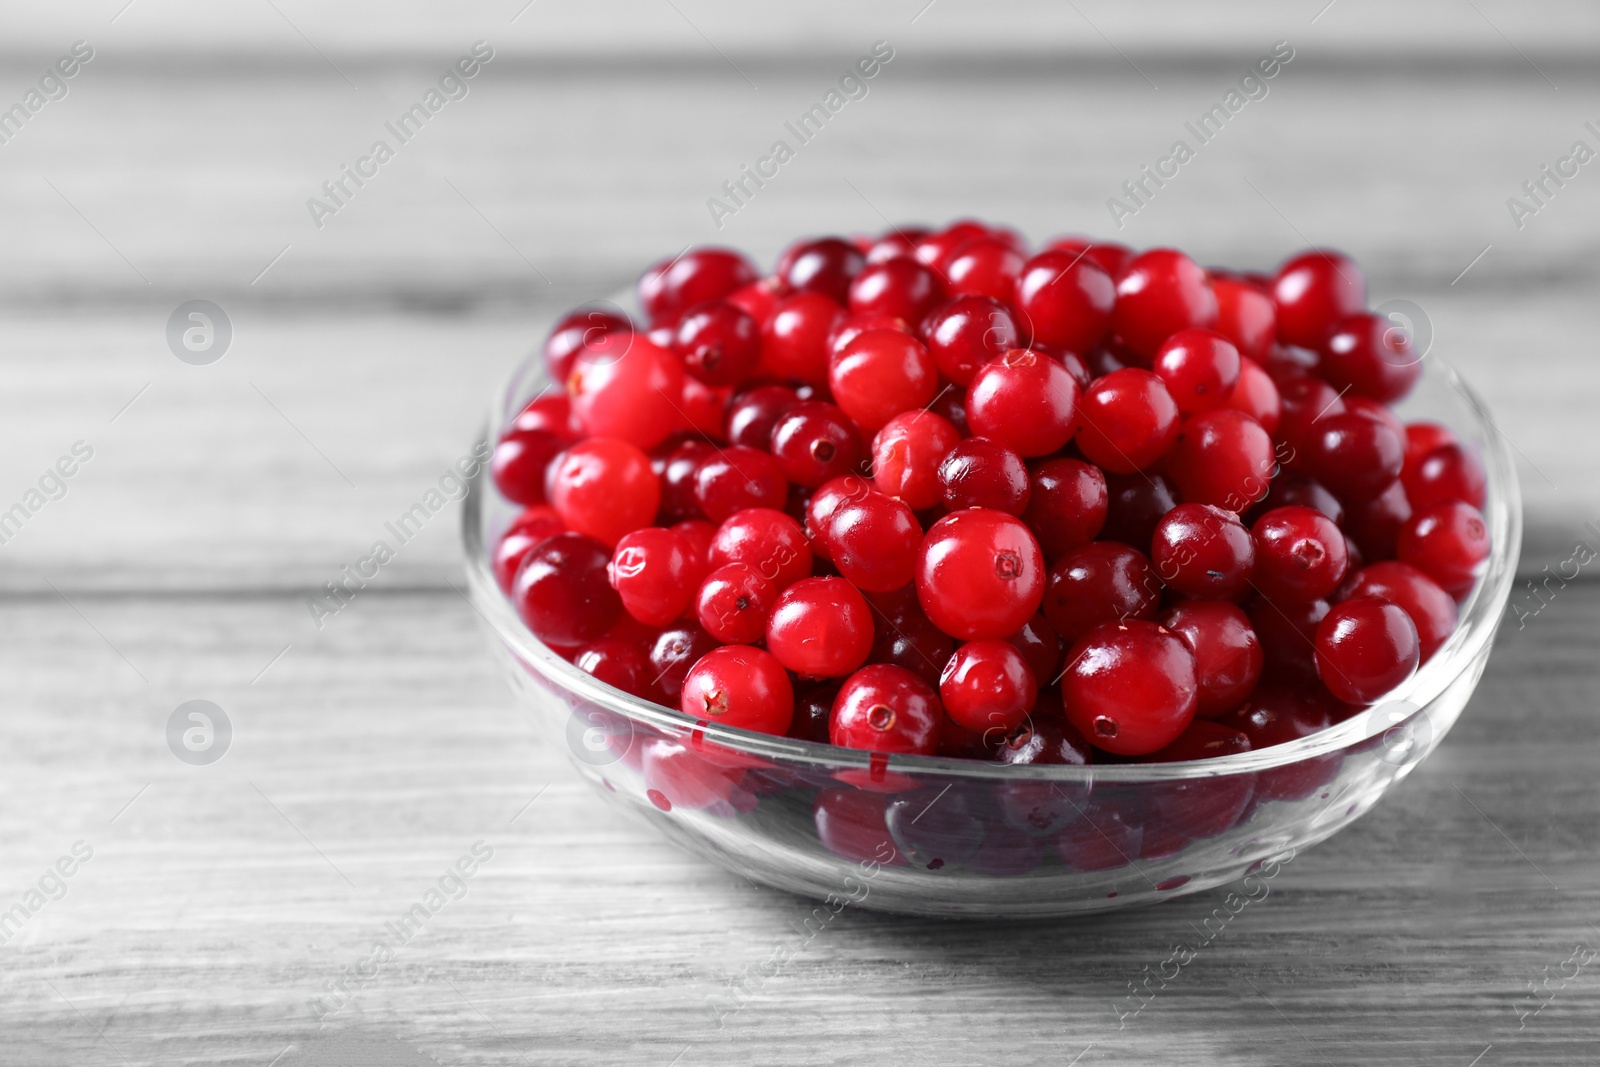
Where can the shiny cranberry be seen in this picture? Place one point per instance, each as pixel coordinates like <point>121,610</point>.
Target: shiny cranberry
<point>1200,807</point>
<point>768,540</point>
<point>1111,257</point>
<point>906,455</point>
<point>1287,631</point>
<point>1355,456</point>
<point>1432,610</point>
<point>630,395</point>
<point>814,441</point>
<point>965,333</point>
<point>1065,299</point>
<point>655,571</point>
<point>1024,400</point>
<point>737,685</point>
<point>873,541</point>
<point>1245,316</point>
<point>1070,360</point>
<point>825,265</point>
<point>753,413</point>
<point>1312,291</point>
<point>984,267</point>
<point>733,603</point>
<point>1277,715</point>
<point>1203,552</point>
<point>525,533</point>
<point>1066,504</point>
<point>562,593</point>
<point>1134,504</point>
<point>1128,421</point>
<point>981,473</point>
<point>880,374</point>
<point>1200,368</point>
<point>551,412</point>
<point>1096,583</point>
<point>1375,524</point>
<point>675,467</point>
<point>936,250</point>
<point>719,343</point>
<point>1222,457</point>
<point>1365,647</point>
<point>732,479</point>
<point>756,299</point>
<point>576,331</point>
<point>904,637</point>
<point>1051,741</point>
<point>1448,542</point>
<point>673,652</point>
<point>1041,648</point>
<point>1162,291</point>
<point>899,287</point>
<point>794,340</point>
<point>850,327</point>
<point>1227,654</point>
<point>520,460</point>
<point>617,663</point>
<point>1130,687</point>
<point>699,533</point>
<point>1449,472</point>
<point>828,498</point>
<point>1371,356</point>
<point>1424,437</point>
<point>1300,554</point>
<point>980,574</point>
<point>1305,402</point>
<point>820,628</point>
<point>603,487</point>
<point>813,709</point>
<point>667,289</point>
<point>884,708</point>
<point>1301,490</point>
<point>1256,395</point>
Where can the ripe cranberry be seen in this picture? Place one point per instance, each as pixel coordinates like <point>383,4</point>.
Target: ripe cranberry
<point>1198,808</point>
<point>1374,525</point>
<point>1257,396</point>
<point>1096,583</point>
<point>1134,504</point>
<point>551,412</point>
<point>1313,290</point>
<point>1424,437</point>
<point>850,327</point>
<point>1203,552</point>
<point>850,825</point>
<point>984,267</point>
<point>1432,610</point>
<point>884,708</point>
<point>1200,368</point>
<point>814,441</point>
<point>1275,716</point>
<point>1305,402</point>
<point>825,265</point>
<point>673,653</point>
<point>1227,655</point>
<point>1111,257</point>
<point>1355,456</point>
<point>616,662</point>
<point>1041,648</point>
<point>873,539</point>
<point>1024,400</point>
<point>1130,687</point>
<point>768,540</point>
<point>936,250</point>
<point>753,413</point>
<point>980,574</point>
<point>1065,299</point>
<point>675,464</point>
<point>630,395</point>
<point>794,340</point>
<point>655,571</point>
<point>965,333</point>
<point>1162,291</point>
<point>820,628</point>
<point>1449,472</point>
<point>719,343</point>
<point>702,407</point>
<point>1222,457</point>
<point>880,374</point>
<point>756,299</point>
<point>575,331</point>
<point>699,533</point>
<point>1070,360</point>
<point>733,603</point>
<point>812,711</point>
<point>900,287</point>
<point>1365,647</point>
<point>1245,316</point>
<point>562,593</point>
<point>667,289</point>
<point>1298,489</point>
<point>1371,356</point>
<point>603,487</point>
<point>1128,421</point>
<point>981,473</point>
<point>732,479</point>
<point>1202,740</point>
<point>906,455</point>
<point>737,685</point>
<point>520,460</point>
<point>1448,542</point>
<point>1287,631</point>
<point>904,637</point>
<point>1300,554</point>
<point>1067,504</point>
<point>987,686</point>
<point>526,531</point>
<point>1048,740</point>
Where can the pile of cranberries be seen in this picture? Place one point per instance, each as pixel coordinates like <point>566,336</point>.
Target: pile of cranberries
<point>933,493</point>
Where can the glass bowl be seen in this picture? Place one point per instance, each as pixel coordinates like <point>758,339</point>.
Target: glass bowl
<point>949,837</point>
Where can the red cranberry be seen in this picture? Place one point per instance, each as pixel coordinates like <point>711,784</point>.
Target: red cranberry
<point>936,250</point>
<point>1245,316</point>
<point>1134,504</point>
<point>702,407</point>
<point>616,662</point>
<point>906,455</point>
<point>1312,291</point>
<point>576,331</point>
<point>1300,554</point>
<point>1227,655</point>
<point>1449,472</point>
<point>794,341</point>
<point>1024,400</point>
<point>1066,504</point>
<point>900,287</point>
<point>1371,356</point>
<point>1198,808</point>
<point>1355,456</point>
<point>676,469</point>
<point>827,499</point>
<point>1065,299</point>
<point>1048,740</point>
<point>984,267</point>
<point>699,533</point>
<point>965,333</point>
<point>756,299</point>
<point>733,603</point>
<point>732,479</point>
<point>815,441</point>
<point>880,374</point>
<point>525,533</point>
<point>1277,716</point>
<point>1130,687</point>
<point>1257,396</point>
<point>1448,542</point>
<point>631,395</point>
<point>1128,421</point>
<point>1305,402</point>
<point>987,686</point>
<point>562,593</point>
<point>898,241</point>
<point>1303,491</point>
<point>873,541</point>
<point>1375,524</point>
<point>850,327</point>
<point>673,653</point>
<point>812,711</point>
<point>820,628</point>
<point>1110,256</point>
<point>719,343</point>
<point>825,265</point>
<point>768,540</point>
<point>1286,630</point>
<point>1424,437</point>
<point>980,574</point>
<point>604,487</point>
<point>1162,291</point>
<point>700,274</point>
<point>1203,552</point>
<point>1432,610</point>
<point>981,473</point>
<point>551,412</point>
<point>1222,457</point>
<point>1096,583</point>
<point>753,414</point>
<point>520,460</point>
<point>884,708</point>
<point>1041,648</point>
<point>1365,647</point>
<point>904,637</point>
<point>655,571</point>
<point>737,685</point>
<point>1200,368</point>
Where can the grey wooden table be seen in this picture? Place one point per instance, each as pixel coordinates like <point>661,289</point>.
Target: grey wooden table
<point>218,902</point>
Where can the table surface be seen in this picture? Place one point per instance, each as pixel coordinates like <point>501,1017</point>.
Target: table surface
<point>371,753</point>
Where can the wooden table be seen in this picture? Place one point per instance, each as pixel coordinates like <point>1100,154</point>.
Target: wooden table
<point>370,754</point>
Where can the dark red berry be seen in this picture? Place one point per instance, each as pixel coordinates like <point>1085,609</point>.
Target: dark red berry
<point>1256,395</point>
<point>1366,646</point>
<point>1223,458</point>
<point>562,593</point>
<point>1134,504</point>
<point>1300,554</point>
<point>1130,687</point>
<point>754,413</point>
<point>1203,552</point>
<point>1200,368</point>
<point>578,330</point>
<point>719,343</point>
<point>1287,631</point>
<point>984,267</point>
<point>1227,655</point>
<point>1371,356</point>
<point>1128,421</point>
<point>1245,316</point>
<point>825,265</point>
<point>965,333</point>
<point>1161,292</point>
<point>905,638</point>
<point>673,652</point>
<point>982,473</point>
<point>814,441</point>
<point>675,464</point>
<point>873,541</point>
<point>1355,456</point>
<point>525,533</point>
<point>670,287</point>
<point>1096,583</point>
<point>520,461</point>
<point>1312,291</point>
<point>732,479</point>
<point>1432,610</point>
<point>1448,542</point>
<point>900,287</point>
<point>1449,472</point>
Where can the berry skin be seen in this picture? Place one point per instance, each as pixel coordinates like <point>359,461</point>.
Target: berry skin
<point>965,333</point>
<point>905,637</point>
<point>987,686</point>
<point>1135,503</point>
<point>576,331</point>
<point>1374,525</point>
<point>753,414</point>
<point>1041,648</point>
<point>655,571</point>
<point>673,653</point>
<point>794,340</point>
<point>604,488</point>
<point>1245,316</point>
<point>906,455</point>
<point>980,473</point>
<point>1424,437</point>
<point>1355,456</point>
<point>1162,291</point>
<point>1365,647</point>
<point>1432,610</point>
<point>814,441</point>
<point>520,460</point>
<point>900,287</point>
<point>880,374</point>
<point>1227,654</point>
<point>1130,687</point>
<point>1287,631</point>
<point>873,541</point>
<point>1128,421</point>
<point>675,464</point>
<point>670,287</point>
<point>884,708</point>
<point>820,628</point>
<point>756,299</point>
<point>1223,458</point>
<point>980,574</point>
<point>734,602</point>
<point>1067,502</point>
<point>825,265</point>
<point>1203,552</point>
<point>732,479</point>
<point>562,593</point>
<point>1449,472</point>
<point>768,540</point>
<point>1200,368</point>
<point>1112,257</point>
<point>1097,583</point>
<point>1300,554</point>
<point>737,685</point>
<point>1371,356</point>
<point>1026,401</point>
<point>1065,299</point>
<point>720,344</point>
<point>524,534</point>
<point>1304,402</point>
<point>630,394</point>
<point>618,663</point>
<point>1257,395</point>
<point>1448,542</point>
<point>1312,291</point>
<point>984,267</point>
